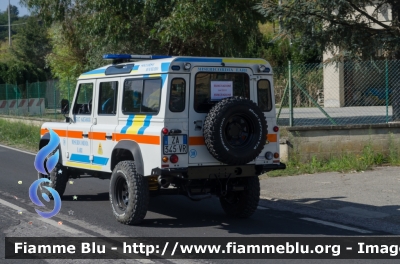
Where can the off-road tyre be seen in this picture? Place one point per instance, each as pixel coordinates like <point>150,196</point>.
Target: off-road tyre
<point>129,193</point>
<point>242,204</point>
<point>58,177</point>
<point>235,131</point>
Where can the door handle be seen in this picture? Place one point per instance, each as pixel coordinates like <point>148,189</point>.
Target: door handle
<point>198,124</point>
<point>109,137</point>
<point>85,135</point>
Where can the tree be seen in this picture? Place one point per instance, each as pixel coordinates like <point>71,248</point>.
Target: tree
<point>173,27</point>
<point>25,60</point>
<point>4,21</point>
<point>354,27</point>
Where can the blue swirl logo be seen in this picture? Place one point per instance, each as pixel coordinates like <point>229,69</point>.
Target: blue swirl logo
<point>45,161</point>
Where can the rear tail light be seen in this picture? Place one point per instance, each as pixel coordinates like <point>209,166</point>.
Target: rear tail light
<point>276,129</point>
<point>165,131</point>
<point>174,158</point>
<point>165,159</point>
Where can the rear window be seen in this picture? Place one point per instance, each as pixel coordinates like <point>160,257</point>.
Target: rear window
<point>212,87</point>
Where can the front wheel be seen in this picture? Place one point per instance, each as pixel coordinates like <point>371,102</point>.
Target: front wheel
<point>58,177</point>
<point>129,193</point>
<point>242,204</point>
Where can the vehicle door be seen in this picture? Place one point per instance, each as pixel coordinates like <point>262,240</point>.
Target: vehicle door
<point>78,143</point>
<point>204,94</point>
<point>105,122</point>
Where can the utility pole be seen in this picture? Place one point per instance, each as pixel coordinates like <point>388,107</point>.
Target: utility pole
<point>9,23</point>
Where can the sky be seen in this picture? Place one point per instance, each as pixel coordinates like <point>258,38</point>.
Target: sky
<point>22,10</point>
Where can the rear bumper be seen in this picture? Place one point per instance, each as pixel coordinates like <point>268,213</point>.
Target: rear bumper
<point>270,167</point>
<point>207,172</point>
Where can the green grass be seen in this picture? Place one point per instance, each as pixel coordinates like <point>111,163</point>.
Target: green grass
<point>341,163</point>
<point>19,135</point>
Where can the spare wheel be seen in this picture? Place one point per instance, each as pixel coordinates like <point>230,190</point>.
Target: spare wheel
<point>235,131</point>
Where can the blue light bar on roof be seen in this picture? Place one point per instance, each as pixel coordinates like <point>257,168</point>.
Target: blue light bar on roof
<point>133,57</point>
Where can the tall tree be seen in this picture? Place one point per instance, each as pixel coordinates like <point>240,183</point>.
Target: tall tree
<point>14,12</point>
<point>355,28</point>
<point>26,58</point>
<point>174,27</point>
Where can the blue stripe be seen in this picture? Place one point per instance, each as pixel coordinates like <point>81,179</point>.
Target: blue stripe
<point>146,76</point>
<point>146,124</point>
<point>80,158</point>
<point>136,67</point>
<point>95,71</point>
<point>163,78</point>
<point>198,60</point>
<point>100,160</point>
<point>165,66</point>
<point>128,124</point>
<point>184,139</point>
<point>165,140</point>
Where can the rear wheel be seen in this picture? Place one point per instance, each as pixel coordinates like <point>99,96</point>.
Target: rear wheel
<point>129,194</point>
<point>244,203</point>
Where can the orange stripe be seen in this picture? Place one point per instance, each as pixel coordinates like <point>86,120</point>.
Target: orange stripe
<point>193,141</point>
<point>97,135</point>
<point>60,133</point>
<point>272,137</point>
<point>43,131</point>
<point>155,140</point>
<point>75,134</point>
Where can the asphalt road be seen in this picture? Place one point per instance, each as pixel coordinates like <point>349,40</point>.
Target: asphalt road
<point>168,216</point>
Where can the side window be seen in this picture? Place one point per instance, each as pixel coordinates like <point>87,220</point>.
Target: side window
<point>151,96</point>
<point>108,98</point>
<point>83,102</point>
<point>141,96</point>
<point>177,95</point>
<point>132,98</point>
<point>264,95</point>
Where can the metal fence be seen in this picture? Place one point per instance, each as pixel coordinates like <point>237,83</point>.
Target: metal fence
<point>39,99</point>
<point>338,94</point>
<point>306,95</point>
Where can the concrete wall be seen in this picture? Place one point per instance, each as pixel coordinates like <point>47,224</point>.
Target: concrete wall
<point>326,141</point>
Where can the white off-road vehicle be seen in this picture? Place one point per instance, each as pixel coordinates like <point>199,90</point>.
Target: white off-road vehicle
<point>195,126</point>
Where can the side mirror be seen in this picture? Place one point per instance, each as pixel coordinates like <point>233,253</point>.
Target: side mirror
<point>64,106</point>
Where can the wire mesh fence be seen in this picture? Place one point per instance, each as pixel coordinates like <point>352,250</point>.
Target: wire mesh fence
<point>39,99</point>
<point>338,94</point>
<point>305,94</point>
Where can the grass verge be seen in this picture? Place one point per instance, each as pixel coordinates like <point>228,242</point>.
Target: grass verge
<point>19,135</point>
<point>342,163</point>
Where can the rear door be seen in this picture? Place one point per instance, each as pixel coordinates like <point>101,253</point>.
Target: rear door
<point>208,86</point>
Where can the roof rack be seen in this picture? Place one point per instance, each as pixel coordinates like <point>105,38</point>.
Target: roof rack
<point>128,57</point>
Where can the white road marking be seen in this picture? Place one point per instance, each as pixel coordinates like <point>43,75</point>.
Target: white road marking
<point>13,206</point>
<point>336,225</point>
<point>262,208</point>
<point>26,152</point>
<point>63,227</point>
<point>48,221</point>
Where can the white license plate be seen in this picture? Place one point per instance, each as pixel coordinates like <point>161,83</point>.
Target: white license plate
<point>175,144</point>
